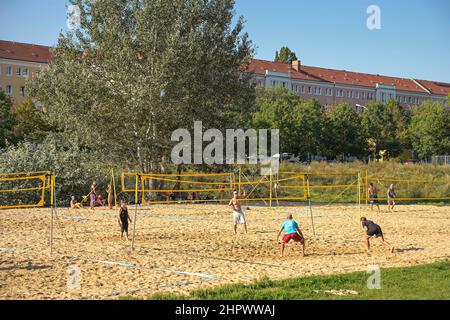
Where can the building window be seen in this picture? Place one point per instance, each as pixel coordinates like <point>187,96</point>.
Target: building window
<point>409,99</point>
<point>25,72</point>
<point>18,72</point>
<point>8,89</point>
<point>309,90</point>
<point>22,91</point>
<point>9,71</point>
<point>302,89</point>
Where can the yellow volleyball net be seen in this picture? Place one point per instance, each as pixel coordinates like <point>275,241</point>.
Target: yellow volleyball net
<point>157,188</point>
<point>411,190</point>
<point>26,189</point>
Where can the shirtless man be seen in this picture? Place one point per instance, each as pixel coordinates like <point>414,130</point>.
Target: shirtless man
<point>238,214</point>
<point>373,197</point>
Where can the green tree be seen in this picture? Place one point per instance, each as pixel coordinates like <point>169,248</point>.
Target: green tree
<point>430,129</point>
<point>301,123</point>
<point>30,122</point>
<point>386,125</point>
<point>345,134</point>
<point>285,55</point>
<point>6,120</point>
<point>139,69</point>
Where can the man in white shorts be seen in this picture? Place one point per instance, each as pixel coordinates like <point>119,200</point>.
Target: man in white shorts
<point>238,214</point>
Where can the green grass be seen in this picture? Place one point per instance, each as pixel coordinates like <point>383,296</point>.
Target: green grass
<point>430,281</point>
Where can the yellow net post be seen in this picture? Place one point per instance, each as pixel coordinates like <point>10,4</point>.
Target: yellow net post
<point>136,208</point>
<point>367,187</point>
<point>52,204</point>
<point>114,187</point>
<point>270,187</point>
<point>239,181</point>
<point>309,204</point>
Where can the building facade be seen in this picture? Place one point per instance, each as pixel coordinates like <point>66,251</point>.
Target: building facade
<point>19,62</point>
<point>331,87</point>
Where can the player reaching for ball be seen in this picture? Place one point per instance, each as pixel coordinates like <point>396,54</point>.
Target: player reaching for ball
<point>291,232</point>
<point>373,230</point>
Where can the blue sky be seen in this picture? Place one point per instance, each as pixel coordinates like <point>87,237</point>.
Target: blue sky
<point>414,39</point>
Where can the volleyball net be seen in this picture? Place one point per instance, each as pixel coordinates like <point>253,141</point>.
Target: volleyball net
<point>321,187</point>
<point>411,190</point>
<point>157,188</point>
<point>26,189</point>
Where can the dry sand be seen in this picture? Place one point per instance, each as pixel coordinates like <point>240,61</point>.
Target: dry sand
<point>174,241</point>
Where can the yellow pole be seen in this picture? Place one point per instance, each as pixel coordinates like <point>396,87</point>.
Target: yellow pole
<point>135,210</point>
<point>367,187</point>
<point>114,188</point>
<point>309,204</point>
<point>359,193</point>
<point>270,188</point>
<point>239,182</point>
<point>52,202</point>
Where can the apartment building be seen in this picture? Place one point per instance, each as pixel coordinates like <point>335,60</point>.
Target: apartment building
<point>331,87</point>
<point>19,62</point>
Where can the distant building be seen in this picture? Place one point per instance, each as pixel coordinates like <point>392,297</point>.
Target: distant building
<point>331,87</point>
<point>19,62</point>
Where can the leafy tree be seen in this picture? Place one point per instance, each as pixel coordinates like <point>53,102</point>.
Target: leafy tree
<point>386,125</point>
<point>6,120</point>
<point>286,55</point>
<point>430,129</point>
<point>30,122</point>
<point>139,69</point>
<point>301,123</point>
<point>345,134</point>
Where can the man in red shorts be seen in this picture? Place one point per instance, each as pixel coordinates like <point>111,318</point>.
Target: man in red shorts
<point>291,231</point>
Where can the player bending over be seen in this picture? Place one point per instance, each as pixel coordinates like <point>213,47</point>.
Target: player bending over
<point>373,230</point>
<point>238,214</point>
<point>291,231</point>
<point>123,219</point>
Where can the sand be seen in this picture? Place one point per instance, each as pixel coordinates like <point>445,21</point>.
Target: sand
<point>179,248</point>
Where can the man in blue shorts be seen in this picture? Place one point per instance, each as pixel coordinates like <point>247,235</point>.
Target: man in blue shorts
<point>291,231</point>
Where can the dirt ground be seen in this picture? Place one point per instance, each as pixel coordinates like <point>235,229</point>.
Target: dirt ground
<point>183,247</point>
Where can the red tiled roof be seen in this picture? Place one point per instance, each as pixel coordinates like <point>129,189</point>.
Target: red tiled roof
<point>435,87</point>
<point>348,77</point>
<point>260,67</point>
<point>25,52</point>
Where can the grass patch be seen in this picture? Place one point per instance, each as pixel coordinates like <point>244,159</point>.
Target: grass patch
<point>430,282</point>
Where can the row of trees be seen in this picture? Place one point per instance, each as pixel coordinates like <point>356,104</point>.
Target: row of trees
<point>307,128</point>
<point>138,69</point>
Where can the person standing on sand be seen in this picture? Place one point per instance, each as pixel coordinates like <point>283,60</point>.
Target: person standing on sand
<point>391,195</point>
<point>123,217</point>
<point>291,231</point>
<point>373,197</point>
<point>373,230</point>
<point>238,214</point>
<point>109,191</point>
<point>93,195</point>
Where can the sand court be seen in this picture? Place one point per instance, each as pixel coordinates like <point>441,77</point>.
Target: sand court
<point>179,248</point>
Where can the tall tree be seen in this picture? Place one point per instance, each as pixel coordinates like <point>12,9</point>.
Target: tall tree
<point>430,129</point>
<point>6,120</point>
<point>385,125</point>
<point>301,122</point>
<point>345,134</point>
<point>286,55</point>
<point>138,69</point>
